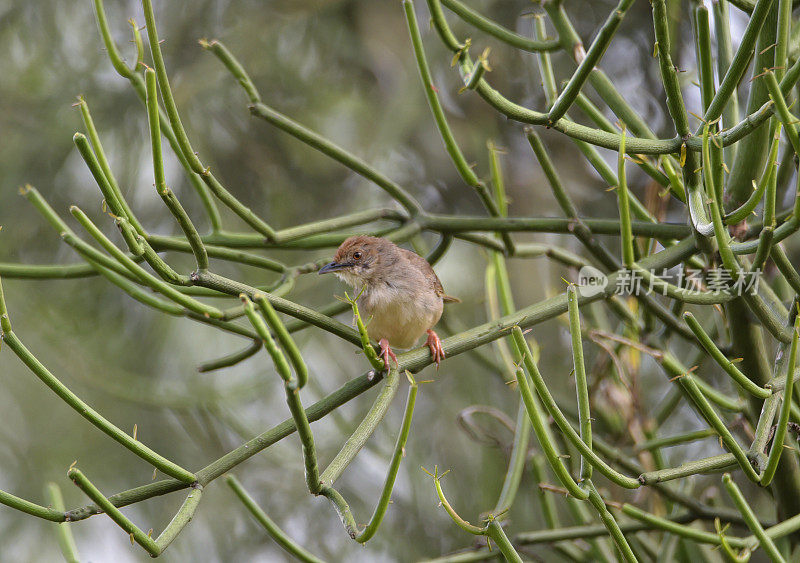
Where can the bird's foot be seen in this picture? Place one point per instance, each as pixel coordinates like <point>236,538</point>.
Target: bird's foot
<point>435,344</point>
<point>386,353</point>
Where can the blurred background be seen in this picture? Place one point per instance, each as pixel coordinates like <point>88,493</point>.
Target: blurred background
<point>346,70</point>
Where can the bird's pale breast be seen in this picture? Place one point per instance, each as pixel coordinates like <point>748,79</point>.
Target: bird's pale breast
<point>396,316</point>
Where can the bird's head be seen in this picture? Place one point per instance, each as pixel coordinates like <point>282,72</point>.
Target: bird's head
<point>363,260</point>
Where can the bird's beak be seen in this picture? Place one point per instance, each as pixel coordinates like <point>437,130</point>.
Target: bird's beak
<point>334,266</point>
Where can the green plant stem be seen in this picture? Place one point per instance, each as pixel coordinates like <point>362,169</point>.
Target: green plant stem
<point>598,163</point>
<point>610,523</point>
<point>144,276</point>
<point>137,82</point>
<point>782,110</point>
<point>291,388</point>
<point>581,383</point>
<point>261,110</point>
<point>635,145</point>
<point>590,60</point>
<point>561,421</point>
<point>105,167</point>
<point>516,464</point>
<point>722,28</point>
<point>728,366</point>
<point>644,521</point>
<point>666,441</point>
<point>181,519</point>
<point>542,431</point>
<point>366,344</point>
<point>364,430</point>
<point>280,537</point>
<point>46,271</point>
<point>394,466</point>
<point>689,386</point>
<point>496,532</point>
<point>38,369</point>
<point>112,199</point>
<point>681,530</point>
<point>282,334</point>
<point>492,530</point>
<point>66,541</point>
<point>752,520</point>
<point>752,150</point>
<point>231,287</point>
<point>626,232</point>
<point>183,140</point>
<point>580,229</point>
<point>160,243</point>
<point>231,359</point>
<point>669,73</point>
<point>499,32</point>
<point>739,62</point>
<point>114,513</point>
<point>462,166</point>
<point>743,211</point>
<point>706,465</point>
<point>783,417</point>
<point>172,203</point>
<point>785,267</point>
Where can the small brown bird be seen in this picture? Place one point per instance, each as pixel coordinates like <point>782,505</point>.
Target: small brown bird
<point>399,290</point>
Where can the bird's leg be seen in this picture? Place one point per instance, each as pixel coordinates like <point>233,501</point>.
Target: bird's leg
<point>435,344</point>
<point>386,353</point>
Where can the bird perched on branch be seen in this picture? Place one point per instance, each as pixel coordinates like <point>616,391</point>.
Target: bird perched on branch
<point>399,290</point>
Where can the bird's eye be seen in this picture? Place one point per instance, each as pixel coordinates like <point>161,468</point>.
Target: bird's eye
<point>356,256</point>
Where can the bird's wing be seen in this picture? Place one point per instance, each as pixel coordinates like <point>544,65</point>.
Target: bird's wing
<point>435,281</point>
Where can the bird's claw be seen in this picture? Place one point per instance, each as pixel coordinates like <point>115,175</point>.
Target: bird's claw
<point>435,345</point>
<point>386,353</point>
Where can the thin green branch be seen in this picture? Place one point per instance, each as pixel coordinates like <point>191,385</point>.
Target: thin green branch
<point>783,417</point>
<point>701,466</point>
<point>66,541</point>
<point>581,383</point>
<point>728,366</point>
<point>95,418</point>
<point>689,385</point>
<point>136,534</point>
<point>183,140</point>
<point>172,203</point>
<point>722,29</point>
<point>137,82</point>
<point>626,231</point>
<point>563,424</point>
<point>310,137</point>
<point>738,64</point>
<point>181,519</point>
<point>291,388</point>
<point>287,342</point>
<point>611,524</point>
<point>394,466</point>
<point>499,32</point>
<point>144,276</point>
<point>752,151</point>
<point>590,60</point>
<point>366,344</point>
<point>280,537</point>
<point>752,520</point>
<point>462,166</point>
<point>742,212</point>
<point>364,430</point>
<point>105,167</point>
